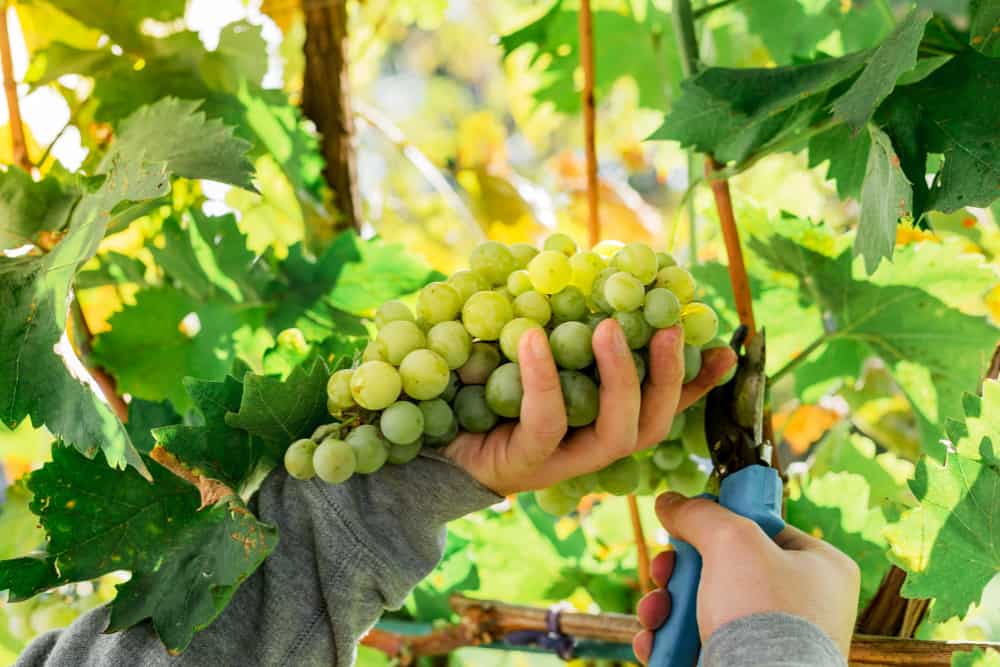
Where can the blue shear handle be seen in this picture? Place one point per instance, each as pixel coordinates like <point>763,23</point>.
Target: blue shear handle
<point>754,492</point>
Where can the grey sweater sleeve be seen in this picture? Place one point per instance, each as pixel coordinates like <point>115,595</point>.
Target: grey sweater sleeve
<point>771,640</point>
<point>344,554</point>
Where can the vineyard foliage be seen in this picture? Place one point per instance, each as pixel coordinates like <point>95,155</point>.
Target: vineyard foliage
<point>176,220</point>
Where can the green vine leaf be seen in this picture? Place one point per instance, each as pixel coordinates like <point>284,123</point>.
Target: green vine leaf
<point>976,658</point>
<point>846,153</point>
<point>984,27</point>
<point>886,197</point>
<point>28,207</point>
<point>120,20</point>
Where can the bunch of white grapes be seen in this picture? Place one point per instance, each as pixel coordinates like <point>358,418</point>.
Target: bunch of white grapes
<point>453,364</point>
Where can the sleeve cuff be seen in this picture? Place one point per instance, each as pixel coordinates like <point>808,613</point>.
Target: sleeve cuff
<point>770,640</point>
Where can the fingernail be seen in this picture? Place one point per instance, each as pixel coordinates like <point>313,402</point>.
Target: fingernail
<point>620,344</point>
<point>537,345</point>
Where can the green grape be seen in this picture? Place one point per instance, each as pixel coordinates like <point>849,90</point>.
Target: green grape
<point>493,261</point>
<point>438,302</point>
<point>677,426</point>
<point>504,391</point>
<point>571,345</point>
<point>687,479</point>
<point>299,459</point>
<point>568,305</point>
<point>523,253</point>
<point>474,414</point>
<point>518,282</point>
<point>534,306</point>
<point>553,501</point>
<point>661,309</point>
<point>549,272</point>
<point>636,328</point>
<point>334,461</point>
<point>693,436</point>
<point>594,319</point>
<point>399,338</point>
<point>664,259</point>
<point>607,249</point>
<point>467,283</point>
<point>482,360</point>
<point>393,311</point>
<point>624,292</point>
<point>510,337</point>
<point>579,486</point>
<point>597,291</point>
<point>586,266</point>
<point>454,384</point>
<point>678,281</point>
<point>505,293</point>
<point>669,455</point>
<point>338,390</point>
<point>375,385</point>
<point>400,454</point>
<point>620,478</point>
<point>637,259</point>
<point>438,417</point>
<point>650,477</point>
<point>700,323</point>
<point>443,440</point>
<point>485,313</point>
<point>716,343</point>
<point>692,362</point>
<point>640,366</point>
<point>451,341</point>
<point>293,339</point>
<point>424,374</point>
<point>370,449</point>
<point>560,242</point>
<point>580,397</point>
<point>402,422</point>
<point>374,351</point>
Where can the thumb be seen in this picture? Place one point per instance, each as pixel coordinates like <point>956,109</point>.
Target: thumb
<point>706,525</point>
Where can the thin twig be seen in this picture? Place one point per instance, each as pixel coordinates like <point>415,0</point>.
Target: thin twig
<point>734,251</point>
<point>18,144</point>
<point>708,9</point>
<point>687,43</point>
<point>641,547</point>
<point>84,343</point>
<point>589,118</point>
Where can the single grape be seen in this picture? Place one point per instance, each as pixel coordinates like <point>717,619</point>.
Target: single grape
<point>700,323</point>
<point>467,283</point>
<point>493,261</point>
<point>504,391</point>
<point>299,459</point>
<point>451,341</point>
<point>474,414</point>
<point>438,302</point>
<point>374,351</point>
<point>443,440</point>
<point>402,422</point>
<point>338,390</point>
<point>293,339</point>
<point>334,461</point>
<point>399,338</point>
<point>636,328</point>
<point>393,311</point>
<point>505,293</point>
<point>370,449</point>
<point>560,242</point>
<point>553,501</point>
<point>438,417</point>
<point>678,281</point>
<point>568,305</point>
<point>650,477</point>
<point>597,291</point>
<point>669,455</point>
<point>375,385</point>
<point>586,266</point>
<point>510,337</point>
<point>518,282</point>
<point>624,292</point>
<point>693,436</point>
<point>608,249</point>
<point>640,366</point>
<point>593,319</point>
<point>571,345</point>
<point>550,271</point>
<point>400,454</point>
<point>677,426</point>
<point>580,397</point>
<point>688,479</point>
<point>664,259</point>
<point>661,309</point>
<point>621,477</point>
<point>637,259</point>
<point>692,362</point>
<point>424,374</point>
<point>454,384</point>
<point>534,306</point>
<point>523,253</point>
<point>579,486</point>
<point>482,360</point>
<point>485,313</point>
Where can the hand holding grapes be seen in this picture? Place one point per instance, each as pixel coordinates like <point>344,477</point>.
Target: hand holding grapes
<point>535,452</point>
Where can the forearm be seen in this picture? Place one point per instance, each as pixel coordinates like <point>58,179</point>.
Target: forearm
<point>771,640</point>
<point>345,553</point>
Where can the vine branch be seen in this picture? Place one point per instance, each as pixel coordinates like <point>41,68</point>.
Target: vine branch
<point>586,29</point>
<point>19,147</point>
<point>84,343</point>
<point>642,549</point>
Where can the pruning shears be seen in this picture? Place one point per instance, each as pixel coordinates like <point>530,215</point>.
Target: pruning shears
<point>734,418</point>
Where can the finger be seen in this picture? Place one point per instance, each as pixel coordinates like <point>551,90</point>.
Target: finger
<point>663,387</point>
<point>792,539</point>
<point>662,566</point>
<point>714,364</point>
<point>543,415</point>
<point>618,417</point>
<point>707,526</point>
<point>653,609</point>
<point>642,646</point>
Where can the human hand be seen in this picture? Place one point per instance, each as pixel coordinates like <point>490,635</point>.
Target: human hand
<point>534,452</point>
<point>744,572</point>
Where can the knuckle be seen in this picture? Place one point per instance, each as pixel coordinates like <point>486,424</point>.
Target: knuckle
<point>736,533</point>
